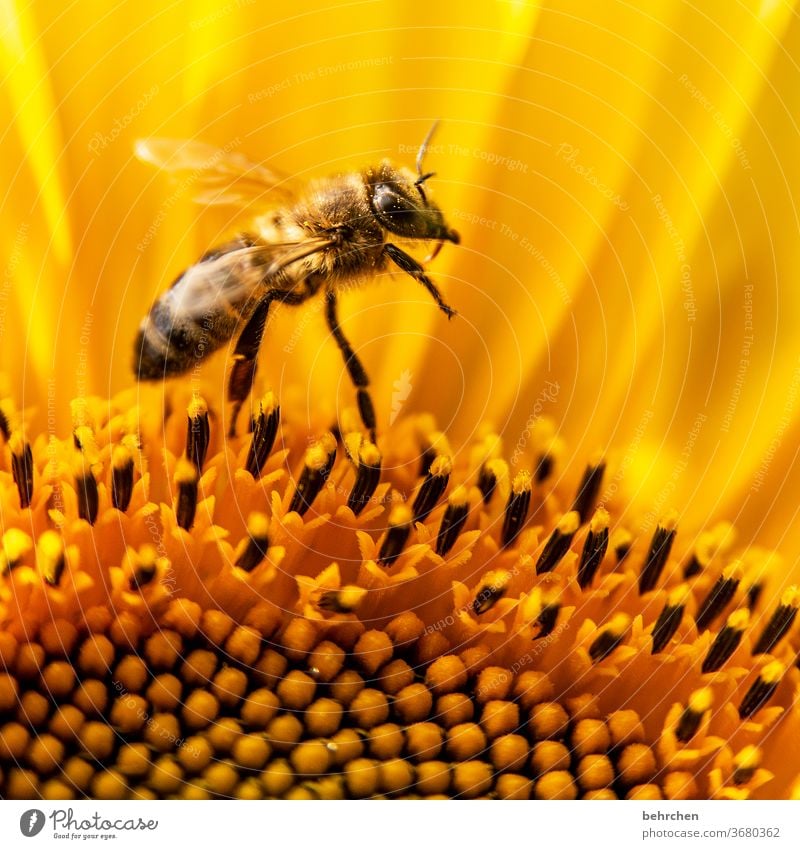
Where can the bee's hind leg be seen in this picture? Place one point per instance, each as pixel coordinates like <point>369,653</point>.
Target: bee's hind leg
<point>243,373</point>
<point>354,366</point>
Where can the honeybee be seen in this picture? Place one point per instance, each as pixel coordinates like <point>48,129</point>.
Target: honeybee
<point>320,238</point>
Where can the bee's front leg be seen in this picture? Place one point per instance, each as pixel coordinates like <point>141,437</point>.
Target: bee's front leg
<point>408,264</point>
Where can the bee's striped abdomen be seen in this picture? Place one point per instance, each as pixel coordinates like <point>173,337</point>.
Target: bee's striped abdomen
<point>198,314</point>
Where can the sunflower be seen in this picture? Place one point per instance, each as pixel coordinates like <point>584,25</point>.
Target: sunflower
<point>498,596</point>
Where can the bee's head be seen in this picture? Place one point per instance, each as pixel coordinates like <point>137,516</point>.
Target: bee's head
<point>399,203</point>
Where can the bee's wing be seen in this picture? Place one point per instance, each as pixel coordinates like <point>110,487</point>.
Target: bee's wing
<point>238,277</point>
<point>213,176</point>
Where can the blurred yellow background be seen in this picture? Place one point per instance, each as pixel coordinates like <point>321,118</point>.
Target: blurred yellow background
<point>625,181</point>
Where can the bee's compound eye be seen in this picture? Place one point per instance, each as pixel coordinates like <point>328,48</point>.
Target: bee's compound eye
<point>390,203</point>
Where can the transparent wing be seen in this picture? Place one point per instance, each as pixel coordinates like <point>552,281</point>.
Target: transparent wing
<point>213,176</point>
<point>238,278</point>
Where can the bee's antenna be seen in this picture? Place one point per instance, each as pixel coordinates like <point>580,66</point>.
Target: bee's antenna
<point>423,149</point>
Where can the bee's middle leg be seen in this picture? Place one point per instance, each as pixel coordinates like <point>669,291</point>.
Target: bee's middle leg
<point>354,367</point>
<point>243,373</point>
